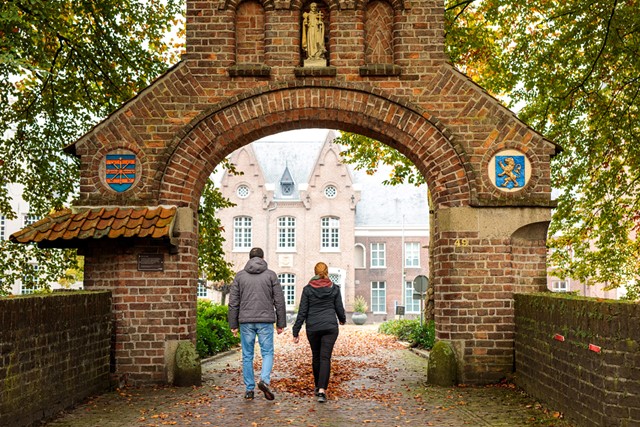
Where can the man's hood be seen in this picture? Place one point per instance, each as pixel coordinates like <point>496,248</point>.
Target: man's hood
<point>255,265</point>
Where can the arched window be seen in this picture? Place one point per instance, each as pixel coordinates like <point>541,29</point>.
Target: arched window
<point>359,255</point>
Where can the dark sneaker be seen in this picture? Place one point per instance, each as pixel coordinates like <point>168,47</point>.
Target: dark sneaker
<point>265,389</point>
<point>322,397</point>
<point>315,392</point>
<point>249,395</point>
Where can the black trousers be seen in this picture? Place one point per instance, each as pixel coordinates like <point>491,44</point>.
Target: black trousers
<point>322,343</point>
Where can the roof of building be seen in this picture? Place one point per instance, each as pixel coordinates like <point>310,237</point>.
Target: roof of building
<point>380,205</point>
<point>299,157</point>
<point>63,227</point>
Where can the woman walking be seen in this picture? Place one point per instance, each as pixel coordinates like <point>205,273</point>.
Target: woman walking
<point>321,308</point>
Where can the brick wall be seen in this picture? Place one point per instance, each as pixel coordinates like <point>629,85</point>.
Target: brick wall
<point>54,352</point>
<point>591,388</point>
<point>150,308</point>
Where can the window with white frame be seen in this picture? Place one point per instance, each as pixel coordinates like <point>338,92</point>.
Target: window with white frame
<point>202,289</point>
<point>378,257</point>
<point>411,304</point>
<point>242,232</point>
<point>335,277</point>
<point>330,233</point>
<point>359,256</point>
<point>286,232</point>
<point>288,283</point>
<point>29,219</point>
<point>379,297</point>
<point>412,255</point>
<point>30,280</point>
<point>242,191</point>
<point>2,227</point>
<point>330,191</point>
<point>560,286</point>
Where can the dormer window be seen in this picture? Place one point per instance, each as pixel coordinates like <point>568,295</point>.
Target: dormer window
<point>286,183</point>
<point>287,189</point>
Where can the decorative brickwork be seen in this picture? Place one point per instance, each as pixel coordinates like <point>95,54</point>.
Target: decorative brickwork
<point>205,107</point>
<point>54,352</point>
<point>580,356</point>
<point>378,30</point>
<point>250,33</point>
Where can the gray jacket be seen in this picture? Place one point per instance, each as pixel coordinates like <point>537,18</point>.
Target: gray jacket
<point>256,296</point>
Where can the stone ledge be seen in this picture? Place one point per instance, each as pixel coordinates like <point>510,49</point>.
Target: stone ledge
<point>315,71</point>
<point>380,70</point>
<point>249,70</point>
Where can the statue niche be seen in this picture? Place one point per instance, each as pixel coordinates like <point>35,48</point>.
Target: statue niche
<point>313,37</point>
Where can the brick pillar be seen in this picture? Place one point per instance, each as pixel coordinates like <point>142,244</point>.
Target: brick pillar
<point>151,309</point>
<point>480,258</point>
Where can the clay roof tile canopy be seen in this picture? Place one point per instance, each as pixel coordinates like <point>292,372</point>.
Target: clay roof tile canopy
<point>66,228</point>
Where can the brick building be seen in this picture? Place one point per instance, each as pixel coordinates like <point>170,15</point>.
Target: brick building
<point>301,204</point>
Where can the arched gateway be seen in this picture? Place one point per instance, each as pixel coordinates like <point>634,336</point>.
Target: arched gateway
<point>382,72</point>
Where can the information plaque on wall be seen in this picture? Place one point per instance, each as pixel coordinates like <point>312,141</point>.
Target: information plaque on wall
<point>150,262</point>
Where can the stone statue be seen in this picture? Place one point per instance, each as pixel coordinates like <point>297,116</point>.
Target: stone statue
<point>313,36</point>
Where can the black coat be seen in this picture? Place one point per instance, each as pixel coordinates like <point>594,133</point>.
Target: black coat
<point>321,309</point>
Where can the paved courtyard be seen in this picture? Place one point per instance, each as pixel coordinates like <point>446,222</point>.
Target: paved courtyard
<point>376,382</point>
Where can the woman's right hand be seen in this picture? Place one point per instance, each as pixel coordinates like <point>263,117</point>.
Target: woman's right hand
<point>296,339</point>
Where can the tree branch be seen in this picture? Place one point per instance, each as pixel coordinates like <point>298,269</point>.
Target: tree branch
<point>604,45</point>
<point>464,2</point>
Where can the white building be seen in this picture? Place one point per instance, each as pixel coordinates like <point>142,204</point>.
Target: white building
<point>301,204</point>
<point>9,226</point>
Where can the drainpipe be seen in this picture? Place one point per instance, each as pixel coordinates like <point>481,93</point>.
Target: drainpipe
<point>269,210</point>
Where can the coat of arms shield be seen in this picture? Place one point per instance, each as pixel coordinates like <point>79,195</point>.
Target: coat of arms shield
<point>120,171</point>
<point>510,171</point>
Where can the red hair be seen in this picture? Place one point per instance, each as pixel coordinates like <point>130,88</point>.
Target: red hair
<point>321,270</point>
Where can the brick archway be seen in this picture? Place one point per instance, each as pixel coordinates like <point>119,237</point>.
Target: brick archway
<point>488,234</point>
<point>219,131</point>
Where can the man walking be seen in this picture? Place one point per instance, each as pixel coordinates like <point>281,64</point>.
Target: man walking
<point>256,301</point>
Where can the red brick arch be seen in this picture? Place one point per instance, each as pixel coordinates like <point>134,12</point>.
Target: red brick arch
<point>224,128</point>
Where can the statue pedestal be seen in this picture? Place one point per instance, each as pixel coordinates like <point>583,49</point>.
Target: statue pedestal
<point>315,63</point>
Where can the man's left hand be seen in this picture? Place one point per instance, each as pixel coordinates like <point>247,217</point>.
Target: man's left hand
<point>279,330</point>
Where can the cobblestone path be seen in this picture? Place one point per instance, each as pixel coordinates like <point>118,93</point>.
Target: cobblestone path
<point>383,387</point>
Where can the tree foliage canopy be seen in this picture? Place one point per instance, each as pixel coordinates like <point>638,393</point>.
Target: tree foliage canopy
<point>572,68</point>
<point>211,262</point>
<point>65,65</point>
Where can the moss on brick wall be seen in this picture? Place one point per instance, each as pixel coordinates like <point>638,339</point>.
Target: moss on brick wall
<point>54,352</point>
<point>580,355</point>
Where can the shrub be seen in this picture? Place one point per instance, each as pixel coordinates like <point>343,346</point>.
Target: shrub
<point>400,328</point>
<point>360,305</point>
<point>214,334</point>
<point>424,336</point>
<point>411,331</point>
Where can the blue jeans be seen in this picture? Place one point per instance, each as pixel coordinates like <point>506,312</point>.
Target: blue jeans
<point>248,332</point>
